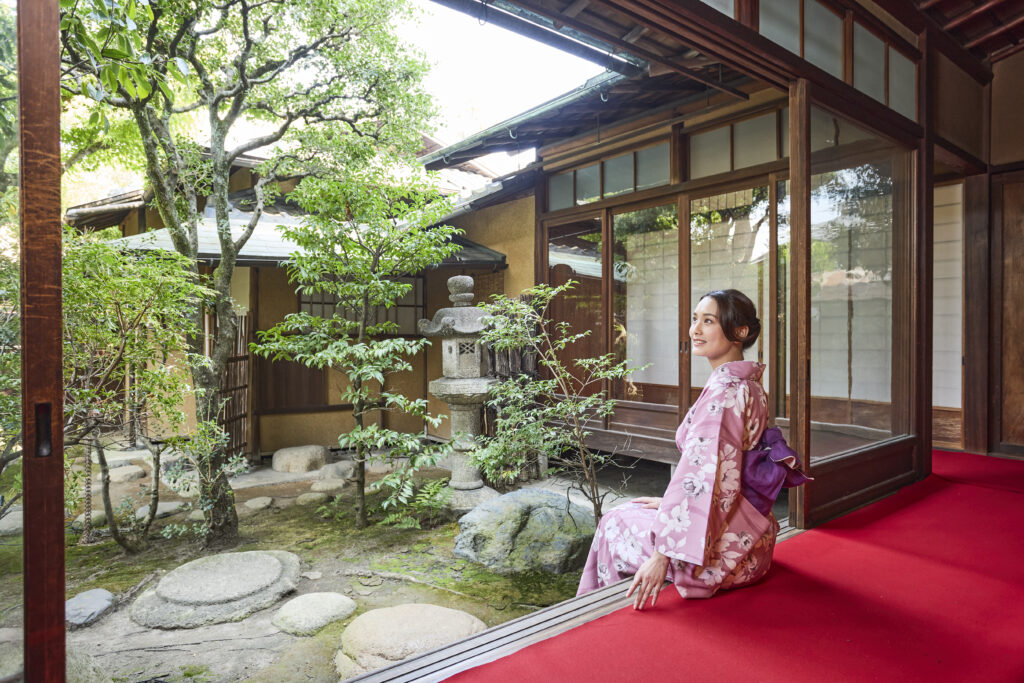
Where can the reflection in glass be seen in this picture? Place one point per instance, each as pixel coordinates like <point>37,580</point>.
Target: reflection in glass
<point>780,398</point>
<point>729,239</point>
<point>574,253</point>
<point>646,310</point>
<point>588,184</point>
<point>859,213</point>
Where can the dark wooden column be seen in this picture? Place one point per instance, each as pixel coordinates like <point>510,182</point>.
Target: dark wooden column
<point>922,265</point>
<point>42,386</point>
<point>800,286</point>
<point>977,273</point>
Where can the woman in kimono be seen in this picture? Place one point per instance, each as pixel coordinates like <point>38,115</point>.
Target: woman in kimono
<point>704,534</point>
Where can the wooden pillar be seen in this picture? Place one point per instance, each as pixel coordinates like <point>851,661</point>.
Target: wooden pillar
<point>800,286</point>
<point>977,273</point>
<point>42,385</point>
<point>922,267</point>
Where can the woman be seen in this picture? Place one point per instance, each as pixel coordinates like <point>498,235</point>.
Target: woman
<point>704,534</point>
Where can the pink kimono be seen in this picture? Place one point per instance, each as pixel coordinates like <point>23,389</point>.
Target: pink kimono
<point>713,536</point>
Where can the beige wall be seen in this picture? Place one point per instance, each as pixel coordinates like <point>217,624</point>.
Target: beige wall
<point>959,106</point>
<point>1007,107</point>
<point>322,429</point>
<point>277,297</point>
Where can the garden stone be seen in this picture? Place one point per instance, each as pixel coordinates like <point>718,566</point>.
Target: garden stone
<point>386,465</point>
<point>345,469</point>
<point>217,588</point>
<point>299,459</point>
<point>162,510</point>
<point>387,635</point>
<point>196,516</point>
<point>11,523</point>
<point>315,498</point>
<point>328,486</point>
<point>307,614</point>
<point>87,607</point>
<point>312,576</point>
<point>98,518</point>
<point>526,530</point>
<point>126,473</point>
<point>261,503</point>
<point>10,635</point>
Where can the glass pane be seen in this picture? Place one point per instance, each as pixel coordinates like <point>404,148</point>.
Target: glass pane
<point>828,130</point>
<point>726,7</point>
<point>574,253</point>
<point>780,402</point>
<point>618,175</point>
<point>868,63</point>
<point>779,21</point>
<point>709,152</point>
<point>784,133</point>
<point>560,191</point>
<point>947,351</point>
<point>729,238</point>
<point>646,310</point>
<point>823,38</point>
<point>588,184</point>
<point>902,85</point>
<point>652,166</point>
<point>859,212</point>
<point>754,141</point>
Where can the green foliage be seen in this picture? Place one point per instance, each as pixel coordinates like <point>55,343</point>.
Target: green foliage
<point>427,506</point>
<point>368,228</point>
<point>547,417</point>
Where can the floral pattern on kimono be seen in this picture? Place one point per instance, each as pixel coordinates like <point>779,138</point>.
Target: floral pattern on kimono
<point>713,537</point>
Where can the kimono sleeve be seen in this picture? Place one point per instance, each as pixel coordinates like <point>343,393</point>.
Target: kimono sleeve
<point>707,479</point>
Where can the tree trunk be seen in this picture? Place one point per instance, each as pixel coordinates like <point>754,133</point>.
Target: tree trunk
<point>130,543</point>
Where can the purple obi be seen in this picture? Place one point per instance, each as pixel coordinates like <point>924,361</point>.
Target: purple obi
<point>767,468</point>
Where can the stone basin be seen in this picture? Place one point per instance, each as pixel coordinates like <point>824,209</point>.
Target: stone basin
<point>462,391</point>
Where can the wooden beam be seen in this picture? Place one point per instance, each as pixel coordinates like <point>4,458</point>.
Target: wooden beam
<point>575,8</point>
<point>995,32</point>
<point>617,42</point>
<point>972,14</point>
<point>1005,52</point>
<point>41,332</point>
<point>634,34</point>
<point>800,289</point>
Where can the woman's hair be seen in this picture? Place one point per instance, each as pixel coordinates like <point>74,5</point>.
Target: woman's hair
<point>735,310</point>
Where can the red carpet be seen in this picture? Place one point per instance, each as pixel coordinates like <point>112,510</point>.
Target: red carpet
<point>926,585</point>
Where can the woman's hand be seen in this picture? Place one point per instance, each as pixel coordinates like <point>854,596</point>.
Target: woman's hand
<point>649,503</point>
<point>649,580</point>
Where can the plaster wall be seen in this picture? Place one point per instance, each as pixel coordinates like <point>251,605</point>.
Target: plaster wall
<point>277,297</point>
<point>959,105</point>
<point>1007,105</point>
<point>322,428</point>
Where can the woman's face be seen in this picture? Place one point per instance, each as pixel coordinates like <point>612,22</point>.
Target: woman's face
<point>707,337</point>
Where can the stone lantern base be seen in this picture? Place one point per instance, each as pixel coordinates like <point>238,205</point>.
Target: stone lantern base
<point>462,501</point>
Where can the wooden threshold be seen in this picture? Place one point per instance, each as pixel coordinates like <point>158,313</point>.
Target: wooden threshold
<point>505,639</point>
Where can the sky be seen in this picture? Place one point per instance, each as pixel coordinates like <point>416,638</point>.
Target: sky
<point>483,74</point>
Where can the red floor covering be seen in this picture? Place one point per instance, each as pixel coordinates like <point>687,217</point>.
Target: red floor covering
<point>926,585</point>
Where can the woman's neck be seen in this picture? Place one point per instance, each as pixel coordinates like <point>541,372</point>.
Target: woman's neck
<point>735,354</point>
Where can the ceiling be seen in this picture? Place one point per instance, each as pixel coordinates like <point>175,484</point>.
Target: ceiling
<point>988,29</point>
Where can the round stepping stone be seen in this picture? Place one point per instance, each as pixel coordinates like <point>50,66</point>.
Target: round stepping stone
<point>384,636</point>
<point>87,607</point>
<point>261,503</point>
<point>314,498</point>
<point>307,614</point>
<point>217,588</point>
<point>328,486</point>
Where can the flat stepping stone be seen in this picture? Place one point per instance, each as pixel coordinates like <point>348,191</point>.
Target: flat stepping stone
<point>299,459</point>
<point>314,498</point>
<point>11,523</point>
<point>328,486</point>
<point>162,510</point>
<point>261,503</point>
<point>217,588</point>
<point>87,607</point>
<point>307,614</point>
<point>338,470</point>
<point>127,473</point>
<point>381,637</point>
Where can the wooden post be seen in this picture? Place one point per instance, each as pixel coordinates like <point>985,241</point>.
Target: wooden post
<point>800,287</point>
<point>922,265</point>
<point>42,385</point>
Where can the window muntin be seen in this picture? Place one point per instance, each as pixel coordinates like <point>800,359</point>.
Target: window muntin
<point>742,144</point>
<point>623,174</point>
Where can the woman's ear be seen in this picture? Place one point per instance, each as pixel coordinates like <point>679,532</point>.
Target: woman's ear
<point>742,333</point>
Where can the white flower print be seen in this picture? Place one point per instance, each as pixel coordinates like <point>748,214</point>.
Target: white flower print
<point>744,540</point>
<point>714,408</point>
<point>677,520</point>
<point>694,485</point>
<point>629,549</point>
<point>621,567</point>
<point>603,575</point>
<point>728,472</point>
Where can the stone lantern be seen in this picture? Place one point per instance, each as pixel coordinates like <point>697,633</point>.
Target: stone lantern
<point>464,386</point>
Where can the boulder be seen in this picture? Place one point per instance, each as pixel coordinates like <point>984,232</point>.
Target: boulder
<point>344,469</point>
<point>387,635</point>
<point>526,530</point>
<point>314,498</point>
<point>299,459</point>
<point>162,509</point>
<point>261,503</point>
<point>307,614</point>
<point>217,588</point>
<point>11,523</point>
<point>87,607</point>
<point>127,473</point>
<point>329,486</point>
<point>99,518</point>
